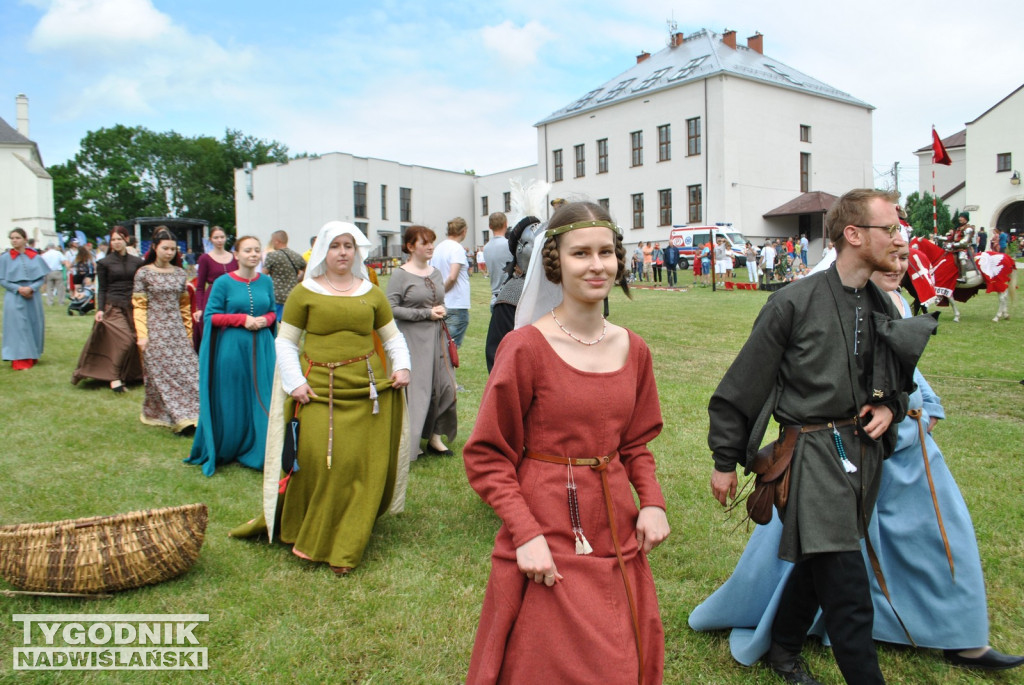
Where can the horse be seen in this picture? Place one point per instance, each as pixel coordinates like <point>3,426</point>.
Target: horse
<point>945,275</point>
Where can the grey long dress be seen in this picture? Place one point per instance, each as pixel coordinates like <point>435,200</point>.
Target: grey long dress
<point>431,390</point>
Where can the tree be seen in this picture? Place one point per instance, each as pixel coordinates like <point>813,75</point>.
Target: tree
<point>122,172</point>
<point>919,214</point>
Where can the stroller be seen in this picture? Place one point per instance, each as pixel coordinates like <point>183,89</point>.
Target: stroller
<point>83,301</point>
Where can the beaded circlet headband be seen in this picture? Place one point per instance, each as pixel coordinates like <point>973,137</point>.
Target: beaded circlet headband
<point>552,232</point>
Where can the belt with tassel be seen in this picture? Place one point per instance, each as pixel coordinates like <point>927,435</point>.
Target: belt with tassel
<point>599,464</point>
<point>331,366</point>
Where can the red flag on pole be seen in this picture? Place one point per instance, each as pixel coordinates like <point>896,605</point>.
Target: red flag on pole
<point>939,154</point>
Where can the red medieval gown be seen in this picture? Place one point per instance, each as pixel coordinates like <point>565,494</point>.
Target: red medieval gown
<point>581,629</point>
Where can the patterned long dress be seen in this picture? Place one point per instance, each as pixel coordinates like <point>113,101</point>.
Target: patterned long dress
<point>169,362</point>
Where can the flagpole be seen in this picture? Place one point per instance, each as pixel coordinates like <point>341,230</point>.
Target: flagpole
<point>935,211</point>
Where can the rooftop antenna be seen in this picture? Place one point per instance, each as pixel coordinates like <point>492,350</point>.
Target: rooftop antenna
<point>673,28</point>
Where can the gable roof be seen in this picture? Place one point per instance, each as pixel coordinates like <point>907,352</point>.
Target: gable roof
<point>696,58</point>
<point>995,105</point>
<point>11,136</point>
<point>958,139</point>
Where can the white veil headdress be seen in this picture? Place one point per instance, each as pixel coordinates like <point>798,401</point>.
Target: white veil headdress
<point>330,231</point>
<point>539,294</point>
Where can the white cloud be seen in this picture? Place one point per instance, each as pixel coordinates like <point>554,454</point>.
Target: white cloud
<point>516,46</point>
<point>107,26</point>
<point>125,56</point>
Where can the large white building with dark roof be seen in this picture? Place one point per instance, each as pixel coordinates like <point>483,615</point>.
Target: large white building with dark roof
<point>703,131</point>
<point>26,189</point>
<point>707,131</point>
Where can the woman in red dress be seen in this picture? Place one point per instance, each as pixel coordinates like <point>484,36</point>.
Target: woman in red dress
<point>210,266</point>
<point>561,436</point>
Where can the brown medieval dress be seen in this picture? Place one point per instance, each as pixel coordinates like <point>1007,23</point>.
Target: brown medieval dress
<point>581,629</point>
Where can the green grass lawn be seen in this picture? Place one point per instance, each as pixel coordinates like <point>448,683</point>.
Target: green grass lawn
<point>409,613</point>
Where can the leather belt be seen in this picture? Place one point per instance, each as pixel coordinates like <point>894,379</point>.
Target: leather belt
<point>839,423</point>
<point>600,464</point>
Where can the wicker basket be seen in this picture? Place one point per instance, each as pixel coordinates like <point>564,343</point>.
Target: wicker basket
<point>102,553</point>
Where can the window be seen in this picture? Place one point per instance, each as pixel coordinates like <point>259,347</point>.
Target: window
<point>805,133</point>
<point>483,206</point>
<point>616,90</point>
<point>805,172</point>
<point>405,204</point>
<point>364,227</point>
<point>384,202</point>
<point>693,136</point>
<point>581,167</point>
<point>1003,161</point>
<point>638,210</point>
<point>487,237</point>
<point>650,80</point>
<point>688,68</point>
<point>664,143</point>
<point>557,161</point>
<point>583,100</point>
<point>604,203</point>
<point>507,197</point>
<point>665,207</point>
<point>695,199</point>
<point>602,156</point>
<point>636,141</point>
<point>359,199</point>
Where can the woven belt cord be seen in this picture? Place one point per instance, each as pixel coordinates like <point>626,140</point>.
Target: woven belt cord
<point>331,366</point>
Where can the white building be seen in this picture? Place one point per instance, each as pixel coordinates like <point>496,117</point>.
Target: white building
<point>985,177</point>
<point>708,131</point>
<point>949,182</point>
<point>26,190</point>
<point>379,196</point>
<point>703,131</point>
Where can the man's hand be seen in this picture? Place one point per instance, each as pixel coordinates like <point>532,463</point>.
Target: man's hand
<point>723,486</point>
<point>881,417</point>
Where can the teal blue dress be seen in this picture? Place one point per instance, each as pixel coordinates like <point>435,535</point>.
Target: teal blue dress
<point>236,373</point>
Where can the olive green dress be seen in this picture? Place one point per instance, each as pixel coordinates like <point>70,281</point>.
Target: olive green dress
<point>328,511</point>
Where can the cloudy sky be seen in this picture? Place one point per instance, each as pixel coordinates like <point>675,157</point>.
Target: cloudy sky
<point>458,85</point>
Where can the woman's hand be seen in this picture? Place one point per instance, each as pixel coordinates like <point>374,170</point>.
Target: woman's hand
<point>197,315</point>
<point>142,344</point>
<point>303,394</point>
<point>931,424</point>
<point>400,378</point>
<point>437,312</point>
<point>99,315</point>
<point>255,323</point>
<point>651,528</point>
<point>534,559</point>
<point>26,292</point>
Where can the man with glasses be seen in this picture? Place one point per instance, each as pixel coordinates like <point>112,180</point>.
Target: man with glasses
<point>819,359</point>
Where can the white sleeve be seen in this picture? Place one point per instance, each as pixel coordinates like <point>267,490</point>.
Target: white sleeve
<point>287,347</point>
<point>395,346</point>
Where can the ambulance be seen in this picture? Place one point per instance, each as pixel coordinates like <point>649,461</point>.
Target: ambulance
<point>691,239</point>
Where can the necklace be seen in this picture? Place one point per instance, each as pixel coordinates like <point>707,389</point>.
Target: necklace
<point>604,331</point>
<point>337,289</point>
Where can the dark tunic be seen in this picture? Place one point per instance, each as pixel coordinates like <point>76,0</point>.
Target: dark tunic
<point>813,340</point>
<point>110,352</point>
